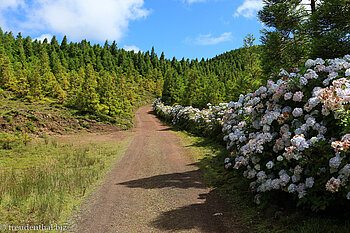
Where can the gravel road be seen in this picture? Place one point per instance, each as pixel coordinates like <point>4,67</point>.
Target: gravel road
<point>155,188</point>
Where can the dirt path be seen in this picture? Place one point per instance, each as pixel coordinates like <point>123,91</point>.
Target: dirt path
<point>155,188</point>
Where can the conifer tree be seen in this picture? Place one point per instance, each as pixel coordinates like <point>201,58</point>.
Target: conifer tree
<point>252,66</point>
<point>54,44</point>
<point>172,88</point>
<point>64,44</point>
<point>106,92</point>
<point>88,99</point>
<point>58,70</point>
<point>19,50</point>
<point>7,78</point>
<point>287,45</point>
<point>28,49</point>
<point>35,82</point>
<point>329,27</point>
<point>21,75</point>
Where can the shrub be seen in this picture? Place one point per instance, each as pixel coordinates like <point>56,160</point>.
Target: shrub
<point>9,141</point>
<point>291,135</point>
<point>205,122</point>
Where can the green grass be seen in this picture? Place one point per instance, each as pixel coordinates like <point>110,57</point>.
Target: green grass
<point>43,182</point>
<point>280,216</point>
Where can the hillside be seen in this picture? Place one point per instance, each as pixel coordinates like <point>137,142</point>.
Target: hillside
<point>108,82</point>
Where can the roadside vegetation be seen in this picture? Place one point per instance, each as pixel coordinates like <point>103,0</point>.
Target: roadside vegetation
<point>277,215</point>
<point>300,184</point>
<point>44,181</point>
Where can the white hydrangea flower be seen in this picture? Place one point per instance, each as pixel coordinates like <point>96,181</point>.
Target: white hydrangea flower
<point>347,72</point>
<point>251,174</point>
<point>297,112</point>
<point>295,178</point>
<point>288,95</point>
<point>292,188</point>
<point>313,140</point>
<point>285,178</point>
<point>333,75</point>
<point>298,96</point>
<point>316,91</point>
<point>326,81</point>
<point>270,165</point>
<point>309,183</point>
<point>275,184</point>
<point>298,170</point>
<point>345,170</point>
<point>311,74</point>
<point>303,81</point>
<point>319,61</point>
<point>257,167</point>
<point>300,142</point>
<point>309,63</point>
<point>335,162</point>
<point>261,176</point>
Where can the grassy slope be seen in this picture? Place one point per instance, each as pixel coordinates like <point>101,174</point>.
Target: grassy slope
<point>46,118</point>
<point>51,118</point>
<point>210,156</point>
<point>41,183</point>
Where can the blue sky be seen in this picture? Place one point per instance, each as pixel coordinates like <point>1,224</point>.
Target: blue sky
<point>180,28</point>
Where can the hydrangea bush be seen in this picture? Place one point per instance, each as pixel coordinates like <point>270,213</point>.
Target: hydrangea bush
<point>287,135</point>
<point>206,122</point>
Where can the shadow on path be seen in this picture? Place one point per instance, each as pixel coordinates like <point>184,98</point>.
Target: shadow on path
<point>167,129</point>
<point>211,216</point>
<point>185,180</point>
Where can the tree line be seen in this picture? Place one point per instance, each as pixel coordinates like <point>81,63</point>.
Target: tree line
<point>91,78</point>
<point>109,81</point>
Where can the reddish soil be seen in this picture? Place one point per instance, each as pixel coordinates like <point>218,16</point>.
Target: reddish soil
<point>95,137</point>
<point>37,123</point>
<point>155,188</point>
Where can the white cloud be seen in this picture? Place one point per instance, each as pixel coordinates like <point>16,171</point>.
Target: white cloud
<point>42,37</point>
<point>209,39</point>
<point>193,1</point>
<point>249,8</point>
<point>8,5</point>
<point>80,19</point>
<point>132,48</point>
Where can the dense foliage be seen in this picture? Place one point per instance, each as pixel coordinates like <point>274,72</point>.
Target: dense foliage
<point>329,29</point>
<point>108,81</point>
<point>288,135</point>
<point>216,80</point>
<point>93,79</point>
<point>294,33</point>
